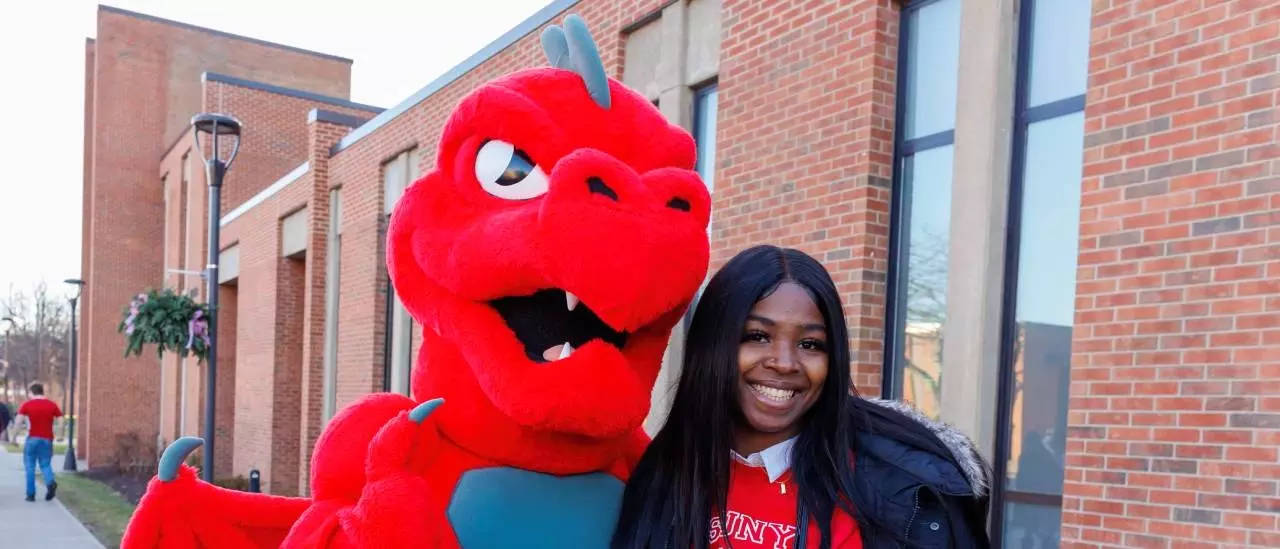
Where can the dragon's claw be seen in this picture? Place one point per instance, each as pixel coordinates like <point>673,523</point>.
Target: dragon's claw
<point>173,457</point>
<point>421,411</point>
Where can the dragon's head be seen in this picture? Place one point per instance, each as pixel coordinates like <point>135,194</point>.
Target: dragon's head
<point>548,254</point>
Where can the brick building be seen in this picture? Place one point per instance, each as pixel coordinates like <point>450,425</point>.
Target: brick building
<point>1082,198</point>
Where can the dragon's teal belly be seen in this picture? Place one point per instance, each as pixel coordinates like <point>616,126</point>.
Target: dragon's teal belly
<point>504,508</point>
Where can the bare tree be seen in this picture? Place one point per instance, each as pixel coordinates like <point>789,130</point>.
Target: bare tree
<point>37,343</point>
<point>926,296</point>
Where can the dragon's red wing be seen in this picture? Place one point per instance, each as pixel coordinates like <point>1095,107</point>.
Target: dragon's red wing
<point>186,513</point>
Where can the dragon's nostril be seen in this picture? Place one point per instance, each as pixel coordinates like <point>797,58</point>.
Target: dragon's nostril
<point>679,204</point>
<point>598,186</point>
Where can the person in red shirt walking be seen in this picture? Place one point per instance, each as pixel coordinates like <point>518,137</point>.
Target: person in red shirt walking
<point>768,445</point>
<point>38,450</point>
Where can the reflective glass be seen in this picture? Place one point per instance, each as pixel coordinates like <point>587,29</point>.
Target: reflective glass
<point>1032,526</point>
<point>926,179</point>
<point>1059,50</point>
<point>932,65</point>
<point>705,110</point>
<point>1045,309</point>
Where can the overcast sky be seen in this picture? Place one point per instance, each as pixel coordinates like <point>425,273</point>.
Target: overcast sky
<point>398,47</point>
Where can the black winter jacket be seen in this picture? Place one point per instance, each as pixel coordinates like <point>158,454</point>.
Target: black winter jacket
<point>938,501</point>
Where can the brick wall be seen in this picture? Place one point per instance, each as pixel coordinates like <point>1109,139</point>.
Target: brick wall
<point>322,137</point>
<point>805,141</point>
<point>268,343</point>
<point>225,428</point>
<point>146,86</point>
<point>275,139</point>
<point>1175,423</point>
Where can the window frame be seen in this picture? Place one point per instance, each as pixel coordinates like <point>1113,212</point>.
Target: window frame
<point>898,261</point>
<point>700,93</point>
<point>406,160</point>
<point>1024,117</point>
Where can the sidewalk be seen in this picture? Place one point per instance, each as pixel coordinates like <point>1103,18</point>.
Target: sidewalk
<point>39,525</point>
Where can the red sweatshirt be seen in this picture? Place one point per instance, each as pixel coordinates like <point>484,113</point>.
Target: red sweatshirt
<point>762,515</point>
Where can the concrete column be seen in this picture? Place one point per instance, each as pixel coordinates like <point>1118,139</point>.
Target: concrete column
<point>980,188</point>
<point>675,99</point>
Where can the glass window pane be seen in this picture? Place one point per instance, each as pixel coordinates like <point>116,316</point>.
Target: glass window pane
<point>926,179</point>
<point>401,347</point>
<point>1045,310</point>
<point>394,175</point>
<point>705,135</point>
<point>932,65</point>
<point>1031,526</point>
<point>332,290</point>
<point>1059,50</point>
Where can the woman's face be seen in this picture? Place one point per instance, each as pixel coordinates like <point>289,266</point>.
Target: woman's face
<point>783,363</point>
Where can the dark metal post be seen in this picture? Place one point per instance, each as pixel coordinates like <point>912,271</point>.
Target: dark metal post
<point>215,172</point>
<point>69,461</point>
<point>215,168</point>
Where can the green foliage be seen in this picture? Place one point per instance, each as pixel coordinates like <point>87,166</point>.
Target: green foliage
<point>164,318</point>
<point>238,482</point>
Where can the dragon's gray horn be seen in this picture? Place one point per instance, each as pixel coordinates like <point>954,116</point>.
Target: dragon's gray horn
<point>572,48</point>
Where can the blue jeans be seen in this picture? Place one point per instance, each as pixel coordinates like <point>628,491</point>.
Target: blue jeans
<point>37,450</point>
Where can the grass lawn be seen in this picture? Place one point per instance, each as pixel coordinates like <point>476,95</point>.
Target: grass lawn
<point>100,508</point>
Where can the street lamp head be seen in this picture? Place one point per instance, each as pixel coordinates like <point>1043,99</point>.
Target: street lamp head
<point>217,126</point>
<point>77,283</point>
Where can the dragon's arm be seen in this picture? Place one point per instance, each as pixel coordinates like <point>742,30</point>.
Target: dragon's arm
<point>385,502</point>
<point>181,512</point>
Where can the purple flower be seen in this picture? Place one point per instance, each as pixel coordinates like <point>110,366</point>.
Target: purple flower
<point>198,326</point>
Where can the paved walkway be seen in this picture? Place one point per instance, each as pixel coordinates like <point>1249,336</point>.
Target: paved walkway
<point>39,525</point>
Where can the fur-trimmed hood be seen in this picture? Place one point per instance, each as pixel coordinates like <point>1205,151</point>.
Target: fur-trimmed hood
<point>964,455</point>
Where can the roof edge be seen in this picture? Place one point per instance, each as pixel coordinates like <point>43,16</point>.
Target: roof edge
<point>290,92</point>
<point>322,115</point>
<point>224,34</point>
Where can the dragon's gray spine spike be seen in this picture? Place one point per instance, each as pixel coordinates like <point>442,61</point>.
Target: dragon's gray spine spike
<point>572,48</point>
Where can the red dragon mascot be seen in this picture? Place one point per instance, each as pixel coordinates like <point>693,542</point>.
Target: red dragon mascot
<point>547,256</point>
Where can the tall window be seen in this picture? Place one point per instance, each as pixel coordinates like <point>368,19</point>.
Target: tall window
<point>168,218</point>
<point>332,291</point>
<point>397,175</point>
<point>1044,218</point>
<point>928,77</point>
<point>705,103</point>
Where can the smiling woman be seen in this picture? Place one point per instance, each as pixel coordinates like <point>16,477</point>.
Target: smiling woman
<point>766,433</point>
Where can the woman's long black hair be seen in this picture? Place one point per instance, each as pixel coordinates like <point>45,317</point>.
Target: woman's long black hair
<point>683,477</point>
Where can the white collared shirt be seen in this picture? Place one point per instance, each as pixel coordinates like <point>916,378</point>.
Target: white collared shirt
<point>775,459</point>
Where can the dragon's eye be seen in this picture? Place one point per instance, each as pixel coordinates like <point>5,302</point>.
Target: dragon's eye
<point>507,172</point>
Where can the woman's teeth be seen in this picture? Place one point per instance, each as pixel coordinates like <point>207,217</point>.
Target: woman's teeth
<point>778,395</point>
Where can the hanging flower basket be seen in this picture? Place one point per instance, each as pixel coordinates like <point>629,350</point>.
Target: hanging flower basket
<point>169,320</point>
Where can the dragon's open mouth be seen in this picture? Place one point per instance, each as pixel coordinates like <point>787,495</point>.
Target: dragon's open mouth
<point>552,323</point>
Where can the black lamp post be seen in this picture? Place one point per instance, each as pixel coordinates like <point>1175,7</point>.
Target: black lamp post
<point>69,461</point>
<point>216,126</point>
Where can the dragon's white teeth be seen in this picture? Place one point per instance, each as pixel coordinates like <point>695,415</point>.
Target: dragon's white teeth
<point>571,301</point>
<point>565,351</point>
